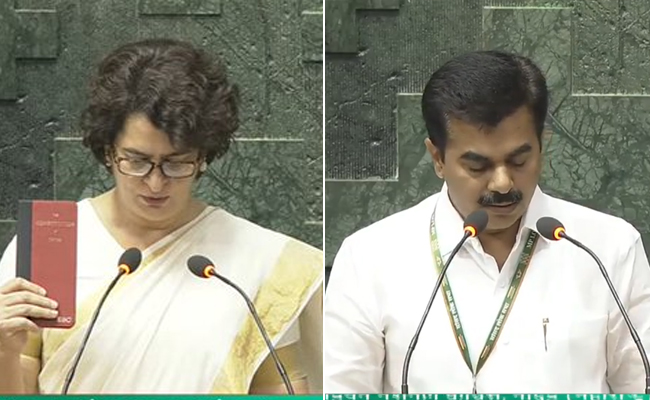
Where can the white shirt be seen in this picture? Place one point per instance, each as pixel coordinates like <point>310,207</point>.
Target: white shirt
<point>383,276</point>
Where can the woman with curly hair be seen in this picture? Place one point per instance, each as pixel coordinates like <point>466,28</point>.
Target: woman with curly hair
<point>159,112</point>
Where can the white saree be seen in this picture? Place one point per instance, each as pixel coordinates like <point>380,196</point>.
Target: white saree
<point>164,330</point>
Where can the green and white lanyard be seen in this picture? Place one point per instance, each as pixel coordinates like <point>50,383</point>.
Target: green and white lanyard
<point>508,301</point>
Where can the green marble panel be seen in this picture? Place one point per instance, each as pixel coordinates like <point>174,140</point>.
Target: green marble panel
<point>34,4</point>
<point>312,36</point>
<point>528,3</point>
<point>77,175</point>
<point>508,28</point>
<point>7,232</point>
<point>352,205</point>
<point>263,181</point>
<point>313,151</point>
<point>598,157</point>
<point>312,5</point>
<point>341,29</point>
<point>8,86</point>
<point>25,161</point>
<point>37,35</point>
<point>312,233</point>
<point>263,47</point>
<point>399,50</point>
<point>312,81</point>
<point>612,52</point>
<point>179,7</point>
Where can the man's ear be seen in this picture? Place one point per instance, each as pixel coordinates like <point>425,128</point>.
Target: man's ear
<point>437,158</point>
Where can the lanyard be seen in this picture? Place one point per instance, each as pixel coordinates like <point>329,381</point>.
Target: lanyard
<point>508,301</point>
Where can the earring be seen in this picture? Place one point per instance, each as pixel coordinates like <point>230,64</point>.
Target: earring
<point>203,166</point>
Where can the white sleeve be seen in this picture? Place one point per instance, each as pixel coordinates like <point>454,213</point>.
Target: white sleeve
<point>8,263</point>
<point>353,359</point>
<point>631,278</point>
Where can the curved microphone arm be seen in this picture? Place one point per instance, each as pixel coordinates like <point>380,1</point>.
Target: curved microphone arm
<point>436,288</point>
<point>619,303</point>
<point>84,341</point>
<point>260,326</point>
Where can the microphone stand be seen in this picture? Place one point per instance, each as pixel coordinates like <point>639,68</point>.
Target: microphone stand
<point>617,300</point>
<point>436,288</point>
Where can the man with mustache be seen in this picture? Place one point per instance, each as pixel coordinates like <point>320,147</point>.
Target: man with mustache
<point>561,333</point>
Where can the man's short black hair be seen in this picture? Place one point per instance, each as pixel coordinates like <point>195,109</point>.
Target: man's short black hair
<point>482,88</point>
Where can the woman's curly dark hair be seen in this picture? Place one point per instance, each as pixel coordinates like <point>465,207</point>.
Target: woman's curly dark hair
<point>182,91</point>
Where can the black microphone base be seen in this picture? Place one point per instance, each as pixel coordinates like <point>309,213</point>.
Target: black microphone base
<point>405,389</point>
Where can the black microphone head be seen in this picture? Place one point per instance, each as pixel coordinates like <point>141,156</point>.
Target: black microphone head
<point>130,260</point>
<point>550,228</point>
<point>199,266</point>
<point>476,222</point>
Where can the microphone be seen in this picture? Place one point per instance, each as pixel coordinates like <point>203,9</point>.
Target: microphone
<point>128,263</point>
<point>553,229</point>
<point>204,268</point>
<point>474,224</point>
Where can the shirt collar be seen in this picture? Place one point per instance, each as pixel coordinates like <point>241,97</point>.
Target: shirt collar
<point>449,224</point>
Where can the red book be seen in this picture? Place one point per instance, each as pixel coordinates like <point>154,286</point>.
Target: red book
<point>47,254</point>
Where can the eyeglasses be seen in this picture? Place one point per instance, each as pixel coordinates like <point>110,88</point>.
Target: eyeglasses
<point>140,168</point>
